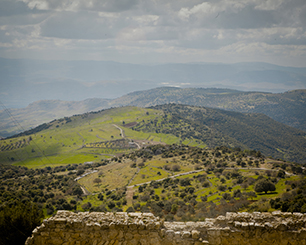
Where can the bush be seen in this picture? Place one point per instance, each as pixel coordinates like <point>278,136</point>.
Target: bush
<point>97,180</point>
<point>86,206</point>
<point>227,196</point>
<point>264,185</point>
<point>203,198</point>
<point>185,182</point>
<point>100,196</point>
<point>141,164</point>
<point>80,172</point>
<point>281,174</point>
<point>221,187</point>
<point>111,204</point>
<point>176,168</point>
<point>206,184</point>
<point>18,221</point>
<point>77,190</point>
<point>130,210</point>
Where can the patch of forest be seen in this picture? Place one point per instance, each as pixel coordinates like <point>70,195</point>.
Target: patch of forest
<point>218,127</point>
<point>288,108</point>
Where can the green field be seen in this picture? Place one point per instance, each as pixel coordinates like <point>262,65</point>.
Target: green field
<point>65,141</point>
<point>83,138</point>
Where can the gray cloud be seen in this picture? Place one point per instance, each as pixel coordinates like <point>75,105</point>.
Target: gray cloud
<point>80,25</point>
<point>79,5</point>
<point>9,8</point>
<point>184,30</point>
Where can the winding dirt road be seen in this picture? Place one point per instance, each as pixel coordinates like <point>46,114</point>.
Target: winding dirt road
<point>123,136</point>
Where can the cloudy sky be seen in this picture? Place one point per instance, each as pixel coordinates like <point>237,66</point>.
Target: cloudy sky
<point>155,31</point>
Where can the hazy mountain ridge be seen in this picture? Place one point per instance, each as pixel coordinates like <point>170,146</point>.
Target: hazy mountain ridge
<point>25,81</point>
<point>44,111</point>
<point>288,108</point>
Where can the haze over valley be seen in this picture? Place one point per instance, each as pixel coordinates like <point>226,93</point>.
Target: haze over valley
<point>26,81</point>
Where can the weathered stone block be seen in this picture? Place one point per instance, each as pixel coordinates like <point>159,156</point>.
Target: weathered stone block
<point>195,234</point>
<point>136,228</point>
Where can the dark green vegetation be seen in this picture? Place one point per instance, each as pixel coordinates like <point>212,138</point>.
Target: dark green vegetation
<point>218,127</point>
<point>217,181</point>
<point>288,108</point>
<point>228,180</point>
<point>17,221</point>
<point>28,195</point>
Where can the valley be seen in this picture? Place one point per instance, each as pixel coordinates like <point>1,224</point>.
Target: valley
<point>182,163</point>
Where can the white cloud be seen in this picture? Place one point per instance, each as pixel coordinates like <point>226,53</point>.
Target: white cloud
<point>269,4</point>
<point>38,4</point>
<point>191,30</point>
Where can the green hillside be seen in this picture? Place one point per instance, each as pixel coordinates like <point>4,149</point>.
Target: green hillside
<point>81,138</point>
<point>218,127</point>
<point>288,108</point>
<point>17,120</point>
<point>94,136</point>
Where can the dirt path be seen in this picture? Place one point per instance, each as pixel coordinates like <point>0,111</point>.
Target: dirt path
<point>171,177</point>
<point>138,169</point>
<point>100,137</point>
<point>85,174</point>
<point>85,192</point>
<point>121,131</point>
<point>83,140</point>
<point>129,196</point>
<point>123,136</point>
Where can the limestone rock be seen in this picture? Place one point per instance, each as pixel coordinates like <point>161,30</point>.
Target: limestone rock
<point>144,228</point>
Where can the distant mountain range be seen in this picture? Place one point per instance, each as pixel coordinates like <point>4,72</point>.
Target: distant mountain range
<point>25,81</point>
<point>288,108</point>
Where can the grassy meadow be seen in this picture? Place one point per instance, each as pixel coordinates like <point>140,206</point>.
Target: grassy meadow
<point>64,142</point>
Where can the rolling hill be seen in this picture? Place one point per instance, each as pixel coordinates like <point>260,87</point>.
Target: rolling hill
<point>288,108</point>
<point>94,136</point>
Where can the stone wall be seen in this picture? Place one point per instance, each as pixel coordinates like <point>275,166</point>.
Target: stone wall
<point>67,228</point>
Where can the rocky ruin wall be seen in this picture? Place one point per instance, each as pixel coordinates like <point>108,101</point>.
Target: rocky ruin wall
<point>68,228</point>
